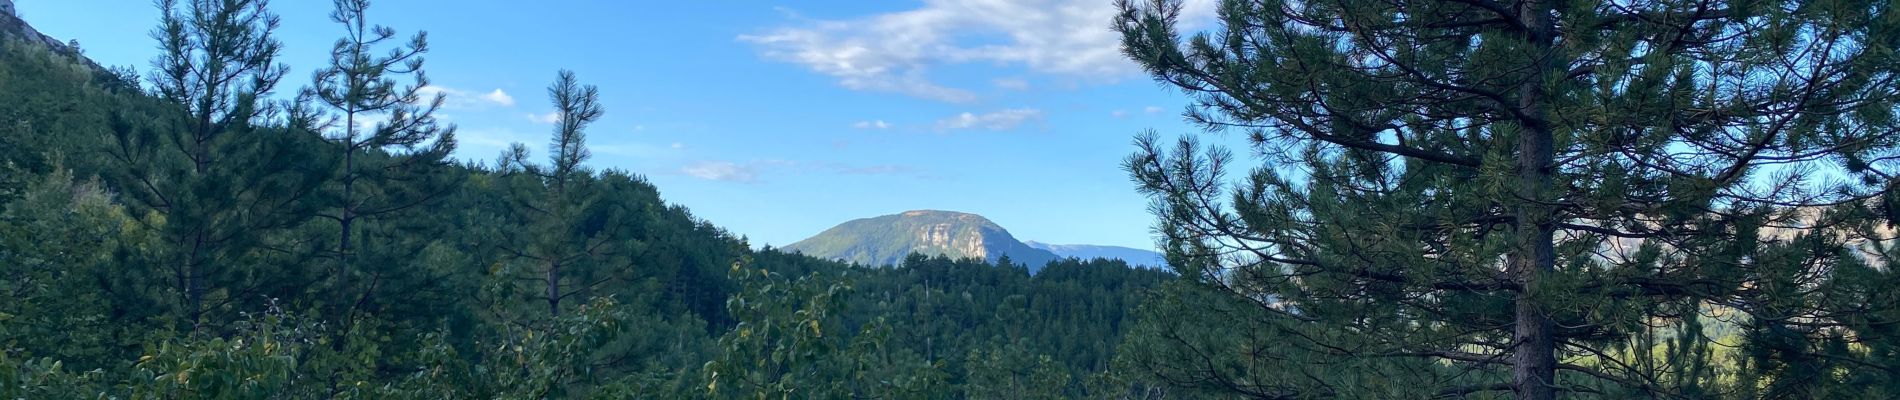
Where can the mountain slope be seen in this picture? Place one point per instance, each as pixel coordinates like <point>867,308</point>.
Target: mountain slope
<point>886,240</point>
<point>11,26</point>
<point>1132,256</point>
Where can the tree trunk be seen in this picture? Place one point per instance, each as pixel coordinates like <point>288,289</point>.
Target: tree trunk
<point>191,283</point>
<point>351,97</point>
<point>349,179</point>
<point>344,281</point>
<point>1534,361</point>
<point>554,288</point>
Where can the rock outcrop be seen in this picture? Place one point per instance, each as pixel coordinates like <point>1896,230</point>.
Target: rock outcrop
<point>12,27</point>
<point>886,240</point>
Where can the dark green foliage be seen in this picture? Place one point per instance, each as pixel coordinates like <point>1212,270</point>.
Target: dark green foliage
<point>1012,371</point>
<point>949,310</point>
<point>57,237</point>
<point>1551,198</point>
<point>48,92</point>
<point>106,189</point>
<point>393,163</point>
<point>1455,205</point>
<point>1196,342</point>
<point>203,171</point>
<point>572,226</point>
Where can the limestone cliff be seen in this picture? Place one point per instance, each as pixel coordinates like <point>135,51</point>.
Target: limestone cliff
<point>15,28</point>
<point>886,240</point>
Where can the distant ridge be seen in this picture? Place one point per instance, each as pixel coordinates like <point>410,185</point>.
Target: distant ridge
<point>1133,256</point>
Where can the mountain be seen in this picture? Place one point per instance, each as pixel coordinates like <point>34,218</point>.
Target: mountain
<point>886,240</point>
<point>1132,256</point>
<point>12,26</point>
<point>15,28</point>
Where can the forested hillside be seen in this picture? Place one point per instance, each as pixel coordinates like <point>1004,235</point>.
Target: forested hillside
<point>217,228</point>
<point>1450,199</point>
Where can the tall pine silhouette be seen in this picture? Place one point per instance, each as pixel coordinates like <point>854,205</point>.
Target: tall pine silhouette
<point>564,252</point>
<point>394,154</point>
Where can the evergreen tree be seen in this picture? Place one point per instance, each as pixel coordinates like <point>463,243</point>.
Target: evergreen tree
<point>394,154</point>
<point>1524,190</point>
<point>563,251</point>
<point>204,173</point>
<point>1012,371</point>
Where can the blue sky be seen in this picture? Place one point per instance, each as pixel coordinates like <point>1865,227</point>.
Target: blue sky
<point>778,120</point>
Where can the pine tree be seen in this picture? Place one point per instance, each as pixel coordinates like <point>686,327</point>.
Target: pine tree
<point>1526,190</point>
<point>394,151</point>
<point>564,197</point>
<point>205,173</point>
<point>1012,371</point>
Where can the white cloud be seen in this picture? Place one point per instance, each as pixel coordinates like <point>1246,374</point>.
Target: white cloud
<point>678,146</point>
<point>1152,110</point>
<point>499,97</point>
<point>995,121</point>
<point>549,118</point>
<point>1011,83</point>
<point>722,171</point>
<point>877,124</point>
<point>458,99</point>
<point>858,63</point>
<point>1118,113</point>
<point>367,122</point>
<point>893,52</point>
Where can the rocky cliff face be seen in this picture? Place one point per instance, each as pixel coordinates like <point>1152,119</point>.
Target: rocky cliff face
<point>12,27</point>
<point>886,240</point>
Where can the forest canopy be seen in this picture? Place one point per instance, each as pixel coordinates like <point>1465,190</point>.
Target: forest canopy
<point>217,227</point>
<point>1678,199</point>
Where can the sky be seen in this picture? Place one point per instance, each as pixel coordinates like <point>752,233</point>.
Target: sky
<point>777,120</point>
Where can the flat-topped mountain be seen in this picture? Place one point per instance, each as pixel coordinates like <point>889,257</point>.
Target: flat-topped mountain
<point>886,240</point>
